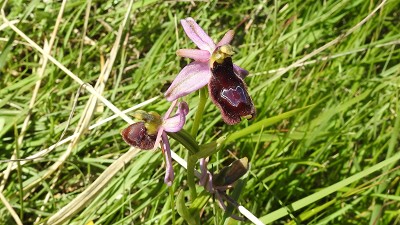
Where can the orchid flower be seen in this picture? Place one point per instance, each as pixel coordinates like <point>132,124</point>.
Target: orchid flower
<point>220,182</point>
<point>213,66</point>
<point>151,130</point>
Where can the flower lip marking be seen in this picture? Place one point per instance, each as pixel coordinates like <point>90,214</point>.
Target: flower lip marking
<point>227,89</point>
<point>234,96</point>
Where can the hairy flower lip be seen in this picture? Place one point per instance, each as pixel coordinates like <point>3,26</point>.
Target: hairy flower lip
<point>137,135</point>
<point>228,91</point>
<point>197,74</point>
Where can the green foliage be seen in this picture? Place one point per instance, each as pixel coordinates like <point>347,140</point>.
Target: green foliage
<point>323,148</point>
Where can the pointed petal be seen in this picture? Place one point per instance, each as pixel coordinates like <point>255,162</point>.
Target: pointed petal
<point>170,109</point>
<point>242,73</point>
<point>175,123</point>
<point>158,138</point>
<point>183,108</point>
<point>203,166</point>
<point>196,54</point>
<point>197,35</point>
<point>203,169</point>
<point>206,178</point>
<point>220,201</point>
<point>227,38</point>
<point>191,78</point>
<point>169,172</point>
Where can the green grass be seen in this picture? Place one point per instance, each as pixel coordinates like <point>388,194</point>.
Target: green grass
<point>323,148</point>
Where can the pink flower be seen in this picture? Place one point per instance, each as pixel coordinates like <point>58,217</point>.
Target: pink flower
<point>151,130</point>
<point>197,74</point>
<point>213,66</point>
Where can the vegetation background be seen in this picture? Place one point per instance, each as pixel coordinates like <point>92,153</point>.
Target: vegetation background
<point>335,162</point>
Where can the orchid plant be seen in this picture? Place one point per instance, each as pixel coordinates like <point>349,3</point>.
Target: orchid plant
<point>213,67</point>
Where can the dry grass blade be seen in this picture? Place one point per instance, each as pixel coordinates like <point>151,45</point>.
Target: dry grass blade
<point>67,71</point>
<point>325,58</point>
<point>39,155</point>
<point>93,190</point>
<point>47,48</point>
<point>85,24</point>
<point>88,111</point>
<point>10,209</point>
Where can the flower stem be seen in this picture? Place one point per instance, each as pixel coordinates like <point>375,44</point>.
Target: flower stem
<point>171,193</point>
<point>192,160</point>
<point>199,112</point>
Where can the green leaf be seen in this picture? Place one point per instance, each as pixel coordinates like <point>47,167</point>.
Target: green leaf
<point>199,202</point>
<point>186,140</point>
<point>184,211</point>
<point>263,123</point>
<point>275,215</point>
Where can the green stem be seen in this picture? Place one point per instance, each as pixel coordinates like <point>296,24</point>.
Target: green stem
<point>191,163</point>
<point>192,160</point>
<point>199,112</point>
<point>171,193</point>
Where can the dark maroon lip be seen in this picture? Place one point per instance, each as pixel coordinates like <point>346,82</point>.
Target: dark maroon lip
<point>136,135</point>
<point>229,92</point>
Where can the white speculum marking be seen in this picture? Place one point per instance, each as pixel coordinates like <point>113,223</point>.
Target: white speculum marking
<point>234,95</point>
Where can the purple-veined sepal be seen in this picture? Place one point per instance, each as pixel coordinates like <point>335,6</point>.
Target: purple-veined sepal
<point>197,35</point>
<point>191,78</point>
